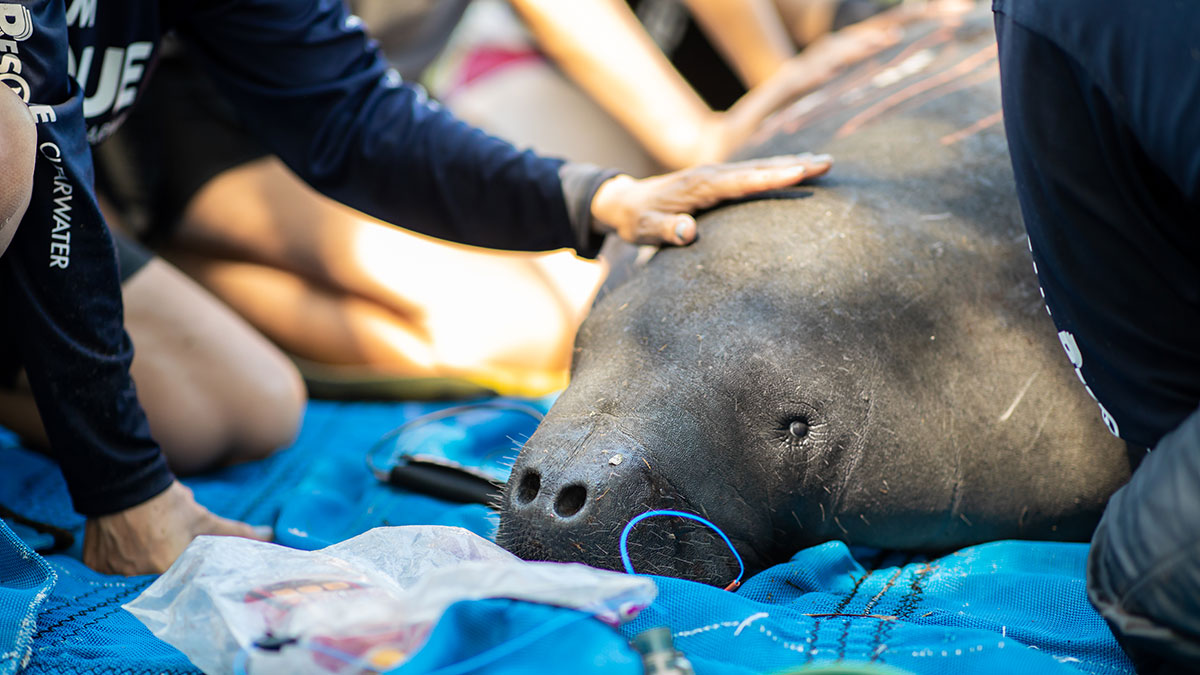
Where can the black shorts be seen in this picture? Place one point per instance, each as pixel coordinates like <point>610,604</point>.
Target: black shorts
<point>181,134</point>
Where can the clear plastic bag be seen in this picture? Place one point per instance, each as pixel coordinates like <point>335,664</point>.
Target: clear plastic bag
<point>366,604</point>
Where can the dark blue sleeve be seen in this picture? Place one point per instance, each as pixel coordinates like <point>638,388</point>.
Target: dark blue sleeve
<point>62,295</point>
<point>309,83</point>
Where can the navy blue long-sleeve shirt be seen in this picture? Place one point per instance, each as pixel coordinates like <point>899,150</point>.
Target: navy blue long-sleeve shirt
<point>310,84</point>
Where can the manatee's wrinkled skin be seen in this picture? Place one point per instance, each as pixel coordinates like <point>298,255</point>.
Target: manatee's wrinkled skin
<point>890,308</point>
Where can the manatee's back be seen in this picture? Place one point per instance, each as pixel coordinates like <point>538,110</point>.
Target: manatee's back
<point>914,249</point>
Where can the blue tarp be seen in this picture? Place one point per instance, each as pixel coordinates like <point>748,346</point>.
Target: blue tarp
<point>1003,607</point>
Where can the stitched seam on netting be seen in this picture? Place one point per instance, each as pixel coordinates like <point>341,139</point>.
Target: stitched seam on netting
<point>76,630</point>
<point>816,629</point>
<point>62,604</point>
<point>43,632</point>
<point>847,622</point>
<point>907,605</point>
<point>116,599</point>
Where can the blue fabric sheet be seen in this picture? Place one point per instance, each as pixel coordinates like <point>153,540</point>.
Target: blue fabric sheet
<point>997,608</point>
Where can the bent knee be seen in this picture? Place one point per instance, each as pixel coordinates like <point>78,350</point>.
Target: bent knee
<point>274,421</point>
<point>18,145</point>
<point>200,430</point>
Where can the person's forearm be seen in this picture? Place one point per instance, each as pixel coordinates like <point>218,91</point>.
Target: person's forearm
<point>801,74</point>
<point>315,90</point>
<point>748,33</point>
<point>745,116</point>
<point>62,296</point>
<point>600,45</point>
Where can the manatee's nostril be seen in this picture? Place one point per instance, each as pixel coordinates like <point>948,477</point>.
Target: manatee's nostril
<point>527,489</point>
<point>570,500</point>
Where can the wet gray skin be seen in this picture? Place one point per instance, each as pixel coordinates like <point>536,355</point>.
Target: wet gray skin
<point>866,358</point>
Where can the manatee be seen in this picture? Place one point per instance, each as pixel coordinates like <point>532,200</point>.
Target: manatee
<point>866,358</point>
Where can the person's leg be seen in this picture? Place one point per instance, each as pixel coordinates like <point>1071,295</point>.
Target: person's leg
<point>1107,165</point>
<point>215,391</point>
<point>332,286</point>
<point>1107,168</point>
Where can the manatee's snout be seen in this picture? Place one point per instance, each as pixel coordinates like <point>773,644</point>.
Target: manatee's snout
<point>568,497</point>
<point>571,494</point>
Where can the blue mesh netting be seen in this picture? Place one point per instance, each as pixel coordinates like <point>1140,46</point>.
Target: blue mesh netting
<point>996,608</point>
<point>993,608</point>
<point>25,583</point>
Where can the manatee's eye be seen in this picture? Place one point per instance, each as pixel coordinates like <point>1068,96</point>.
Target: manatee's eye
<point>798,428</point>
<point>792,431</point>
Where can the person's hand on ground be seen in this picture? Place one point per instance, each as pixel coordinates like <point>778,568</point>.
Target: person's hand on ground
<point>657,210</point>
<point>147,538</point>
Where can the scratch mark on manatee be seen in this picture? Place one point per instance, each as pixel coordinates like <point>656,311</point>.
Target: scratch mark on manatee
<point>797,116</point>
<point>969,64</point>
<point>976,127</point>
<point>1041,425</point>
<point>850,203</point>
<point>1020,395</point>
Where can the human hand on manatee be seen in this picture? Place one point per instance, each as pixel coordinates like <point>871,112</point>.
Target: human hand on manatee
<point>147,538</point>
<point>657,210</point>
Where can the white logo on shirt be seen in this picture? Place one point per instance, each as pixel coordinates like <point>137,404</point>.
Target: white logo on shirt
<point>121,70</point>
<point>82,13</point>
<point>15,21</point>
<point>16,26</point>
